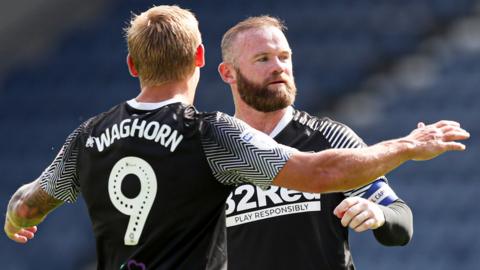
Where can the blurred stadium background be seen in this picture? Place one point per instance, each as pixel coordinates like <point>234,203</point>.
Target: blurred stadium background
<point>378,66</point>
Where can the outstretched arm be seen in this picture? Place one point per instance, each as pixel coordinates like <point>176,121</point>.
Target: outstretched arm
<point>344,169</point>
<point>28,207</point>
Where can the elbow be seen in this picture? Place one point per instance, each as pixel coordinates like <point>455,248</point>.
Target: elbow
<point>406,234</point>
<point>401,238</point>
<point>407,237</point>
<point>396,234</point>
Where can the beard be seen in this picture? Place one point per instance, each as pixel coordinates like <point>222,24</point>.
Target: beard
<point>263,98</point>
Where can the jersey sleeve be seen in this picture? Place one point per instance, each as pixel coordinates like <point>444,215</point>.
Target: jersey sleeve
<point>60,179</point>
<point>238,153</point>
<point>341,136</point>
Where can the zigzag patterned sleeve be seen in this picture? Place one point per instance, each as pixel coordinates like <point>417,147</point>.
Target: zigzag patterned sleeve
<point>60,179</point>
<point>237,153</point>
<point>341,136</point>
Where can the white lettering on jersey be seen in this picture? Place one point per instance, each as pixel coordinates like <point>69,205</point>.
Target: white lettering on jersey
<point>152,131</point>
<point>270,193</point>
<point>245,203</point>
<point>271,212</point>
<point>248,203</point>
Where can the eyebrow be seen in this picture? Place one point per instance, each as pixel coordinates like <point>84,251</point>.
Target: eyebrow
<point>260,54</point>
<point>266,53</point>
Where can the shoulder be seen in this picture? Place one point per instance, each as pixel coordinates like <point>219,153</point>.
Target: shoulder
<point>338,134</point>
<point>101,117</point>
<point>223,121</point>
<point>315,123</point>
<point>215,116</point>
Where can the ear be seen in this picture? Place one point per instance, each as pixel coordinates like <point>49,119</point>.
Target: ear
<point>227,72</point>
<point>200,56</point>
<point>131,66</point>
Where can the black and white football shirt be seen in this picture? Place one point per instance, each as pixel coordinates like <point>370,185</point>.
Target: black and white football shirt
<point>279,228</point>
<point>155,178</point>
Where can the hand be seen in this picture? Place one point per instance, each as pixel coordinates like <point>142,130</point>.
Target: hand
<point>433,140</point>
<point>359,214</point>
<point>18,234</point>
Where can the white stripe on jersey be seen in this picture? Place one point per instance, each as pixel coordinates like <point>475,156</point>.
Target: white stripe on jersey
<point>334,137</point>
<point>330,127</point>
<point>322,126</point>
<point>346,141</point>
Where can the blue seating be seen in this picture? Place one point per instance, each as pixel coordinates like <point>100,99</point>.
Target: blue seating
<point>442,192</point>
<point>337,45</point>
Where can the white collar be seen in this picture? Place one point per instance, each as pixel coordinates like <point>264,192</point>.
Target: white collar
<point>287,117</point>
<point>148,106</point>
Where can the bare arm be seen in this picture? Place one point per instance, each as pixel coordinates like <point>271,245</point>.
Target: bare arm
<point>343,169</point>
<point>27,208</point>
<point>335,170</point>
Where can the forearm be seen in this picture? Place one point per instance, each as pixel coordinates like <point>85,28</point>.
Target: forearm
<point>398,227</point>
<point>336,170</point>
<point>344,169</point>
<point>30,205</point>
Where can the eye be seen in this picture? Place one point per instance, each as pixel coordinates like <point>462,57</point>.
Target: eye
<point>284,57</point>
<point>262,59</point>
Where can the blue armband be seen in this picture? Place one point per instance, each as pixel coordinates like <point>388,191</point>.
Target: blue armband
<point>380,192</point>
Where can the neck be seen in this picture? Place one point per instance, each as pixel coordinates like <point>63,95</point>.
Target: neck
<point>183,90</point>
<point>263,121</point>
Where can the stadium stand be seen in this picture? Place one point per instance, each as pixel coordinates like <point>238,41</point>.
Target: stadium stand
<point>442,192</point>
<point>379,66</point>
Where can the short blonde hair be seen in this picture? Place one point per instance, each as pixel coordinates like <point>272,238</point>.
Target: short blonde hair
<point>162,43</point>
<point>247,24</point>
